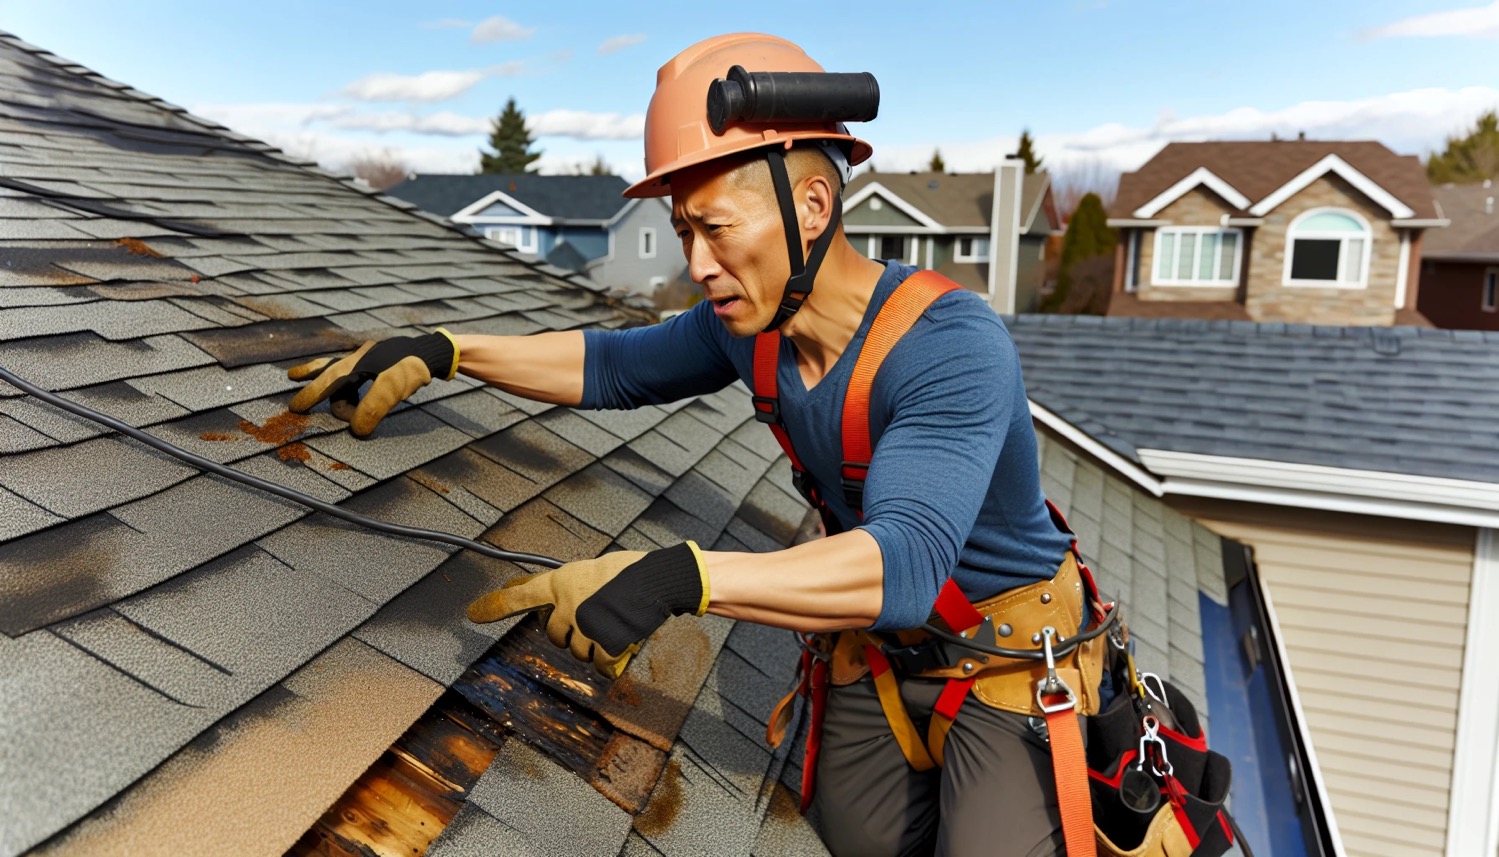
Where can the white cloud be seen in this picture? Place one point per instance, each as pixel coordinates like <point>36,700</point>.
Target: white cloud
<point>1408,122</point>
<point>444,124</point>
<point>1478,22</point>
<point>619,43</point>
<point>447,23</point>
<point>425,87</point>
<point>584,125</point>
<point>250,118</point>
<point>500,29</point>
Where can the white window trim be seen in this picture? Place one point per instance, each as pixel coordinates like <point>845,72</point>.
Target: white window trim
<point>470,212</point>
<point>1199,176</point>
<point>957,253</point>
<point>647,237</point>
<point>1490,276</point>
<point>1155,274</point>
<point>1292,235</point>
<point>1132,253</point>
<point>527,242</point>
<point>912,241</point>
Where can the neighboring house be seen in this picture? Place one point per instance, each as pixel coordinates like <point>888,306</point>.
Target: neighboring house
<point>986,231</point>
<point>577,223</point>
<point>1300,231</point>
<point>1361,466</point>
<point>1460,264</point>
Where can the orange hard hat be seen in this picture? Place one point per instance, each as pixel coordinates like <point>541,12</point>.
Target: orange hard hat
<point>677,129</point>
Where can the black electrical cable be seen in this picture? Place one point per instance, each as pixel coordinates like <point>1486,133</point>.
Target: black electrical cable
<point>1057,651</point>
<point>271,487</point>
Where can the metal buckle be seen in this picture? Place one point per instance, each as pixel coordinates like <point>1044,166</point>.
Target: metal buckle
<point>1152,738</point>
<point>923,656</point>
<point>1052,685</point>
<point>853,489</point>
<point>805,641</point>
<point>771,413</point>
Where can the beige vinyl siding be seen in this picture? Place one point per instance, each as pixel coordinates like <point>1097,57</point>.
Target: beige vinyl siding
<point>1373,613</point>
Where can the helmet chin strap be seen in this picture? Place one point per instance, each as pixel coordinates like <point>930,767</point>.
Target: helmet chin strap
<point>803,272</point>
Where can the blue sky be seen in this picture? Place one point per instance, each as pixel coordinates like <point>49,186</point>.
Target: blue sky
<point>1102,84</point>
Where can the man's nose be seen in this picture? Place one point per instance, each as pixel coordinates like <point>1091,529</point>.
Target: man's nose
<point>701,264</point>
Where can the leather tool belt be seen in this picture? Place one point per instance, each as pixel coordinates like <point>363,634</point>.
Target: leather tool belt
<point>1017,618</point>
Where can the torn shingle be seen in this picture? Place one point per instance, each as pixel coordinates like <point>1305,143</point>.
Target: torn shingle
<point>557,813</point>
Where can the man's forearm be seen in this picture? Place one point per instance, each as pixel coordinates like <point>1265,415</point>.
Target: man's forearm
<point>823,585</point>
<point>547,367</point>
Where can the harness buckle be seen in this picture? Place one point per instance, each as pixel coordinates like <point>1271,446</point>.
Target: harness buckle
<point>1052,685</point>
<point>767,409</point>
<point>911,660</point>
<point>853,485</point>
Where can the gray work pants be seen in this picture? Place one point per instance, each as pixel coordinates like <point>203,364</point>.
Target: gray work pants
<point>995,795</point>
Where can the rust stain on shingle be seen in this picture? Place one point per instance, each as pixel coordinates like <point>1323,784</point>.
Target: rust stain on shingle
<point>215,435</point>
<point>280,429</point>
<point>429,481</point>
<point>294,452</point>
<point>138,247</point>
<point>665,805</point>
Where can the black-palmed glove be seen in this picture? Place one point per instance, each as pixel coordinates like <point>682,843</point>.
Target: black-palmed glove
<point>398,366</point>
<point>602,609</point>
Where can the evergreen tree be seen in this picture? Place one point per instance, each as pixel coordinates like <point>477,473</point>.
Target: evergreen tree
<point>1088,237</point>
<point>1026,151</point>
<point>511,142</point>
<point>937,165</point>
<point>600,167</point>
<point>1471,158</point>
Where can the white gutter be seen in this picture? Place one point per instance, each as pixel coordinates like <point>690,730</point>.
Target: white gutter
<point>1108,456</point>
<point>1339,489</point>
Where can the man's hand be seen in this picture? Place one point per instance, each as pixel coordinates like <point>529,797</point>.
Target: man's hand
<point>602,609</point>
<point>399,367</point>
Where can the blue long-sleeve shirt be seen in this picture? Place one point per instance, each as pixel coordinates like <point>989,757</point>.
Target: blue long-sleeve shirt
<point>953,488</point>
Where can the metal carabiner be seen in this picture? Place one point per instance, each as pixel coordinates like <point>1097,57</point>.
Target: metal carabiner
<point>1152,737</point>
<point>805,641</point>
<point>1145,679</point>
<point>1052,685</point>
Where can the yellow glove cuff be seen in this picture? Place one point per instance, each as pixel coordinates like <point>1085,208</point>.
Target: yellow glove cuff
<point>702,569</point>
<point>453,370</point>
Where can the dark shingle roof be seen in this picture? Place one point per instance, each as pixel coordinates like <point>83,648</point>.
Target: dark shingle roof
<point>1407,400</point>
<point>956,199</point>
<point>563,197</point>
<point>1474,231</point>
<point>1257,168</point>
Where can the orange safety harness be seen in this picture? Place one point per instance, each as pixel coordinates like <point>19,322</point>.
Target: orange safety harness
<point>1059,704</point>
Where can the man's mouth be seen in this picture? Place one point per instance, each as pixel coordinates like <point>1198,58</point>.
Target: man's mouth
<point>721,305</point>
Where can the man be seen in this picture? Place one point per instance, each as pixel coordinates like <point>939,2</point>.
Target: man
<point>952,490</point>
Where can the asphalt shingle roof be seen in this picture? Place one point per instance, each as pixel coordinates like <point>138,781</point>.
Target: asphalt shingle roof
<point>1256,168</point>
<point>1410,400</point>
<point>562,197</point>
<point>1473,233</point>
<point>957,199</point>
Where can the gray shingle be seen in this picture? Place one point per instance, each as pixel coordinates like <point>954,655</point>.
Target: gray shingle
<point>373,564</point>
<point>601,498</point>
<point>569,424</point>
<point>158,663</point>
<point>402,441</point>
<point>17,437</point>
<point>557,813</point>
<point>214,386</point>
<point>81,359</point>
<point>95,474</point>
<point>633,466</point>
<point>713,779</point>
<point>18,517</point>
<point>475,833</point>
<point>274,340</point>
<point>533,452</point>
<point>475,413</point>
<point>68,705</point>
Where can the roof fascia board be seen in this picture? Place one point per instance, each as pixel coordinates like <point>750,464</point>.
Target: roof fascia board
<point>1473,812</point>
<point>1243,221</point>
<point>1199,176</point>
<point>1030,217</point>
<point>1461,257</point>
<point>620,215</point>
<point>1117,222</point>
<point>1398,495</point>
<point>468,213</point>
<point>1334,164</point>
<point>1072,433</point>
<point>1421,223</point>
<point>889,196</point>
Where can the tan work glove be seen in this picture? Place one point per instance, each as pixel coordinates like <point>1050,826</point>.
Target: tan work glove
<point>399,367</point>
<point>602,609</point>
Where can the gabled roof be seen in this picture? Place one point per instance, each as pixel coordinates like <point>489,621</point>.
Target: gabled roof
<point>1249,173</point>
<point>1405,401</point>
<point>1473,234</point>
<point>170,641</point>
<point>953,200</point>
<point>560,197</point>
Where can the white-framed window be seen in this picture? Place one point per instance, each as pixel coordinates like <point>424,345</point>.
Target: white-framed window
<point>522,238</point>
<point>1197,256</point>
<point>647,242</point>
<point>901,248</point>
<point>971,248</point>
<point>1328,248</point>
<point>1491,290</point>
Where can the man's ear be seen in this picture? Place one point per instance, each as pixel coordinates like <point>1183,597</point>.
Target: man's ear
<point>814,206</point>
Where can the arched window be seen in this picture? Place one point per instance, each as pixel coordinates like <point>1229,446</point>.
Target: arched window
<point>1328,247</point>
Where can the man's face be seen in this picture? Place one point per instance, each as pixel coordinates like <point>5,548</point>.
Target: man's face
<point>735,247</point>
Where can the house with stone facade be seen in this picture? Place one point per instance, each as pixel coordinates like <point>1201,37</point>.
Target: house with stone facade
<point>985,231</point>
<point>1306,231</point>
